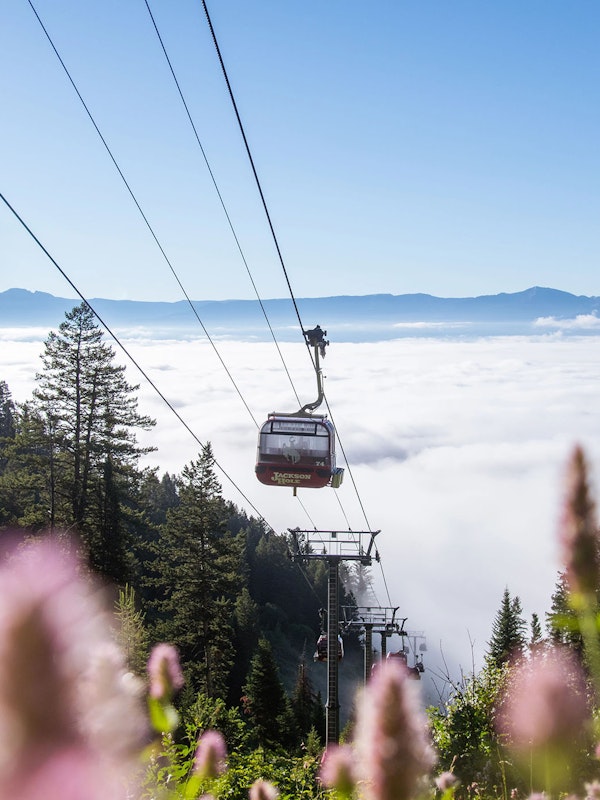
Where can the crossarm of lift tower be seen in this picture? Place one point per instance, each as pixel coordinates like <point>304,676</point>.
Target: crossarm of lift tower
<point>380,618</point>
<point>334,545</point>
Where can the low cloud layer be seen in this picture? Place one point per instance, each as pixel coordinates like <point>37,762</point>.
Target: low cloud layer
<point>457,449</point>
<point>580,322</point>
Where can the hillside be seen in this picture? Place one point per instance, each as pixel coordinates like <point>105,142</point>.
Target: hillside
<point>347,318</point>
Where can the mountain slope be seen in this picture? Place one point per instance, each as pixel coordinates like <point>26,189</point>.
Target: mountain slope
<point>345,315</point>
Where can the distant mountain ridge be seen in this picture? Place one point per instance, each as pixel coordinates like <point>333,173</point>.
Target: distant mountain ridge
<point>348,318</point>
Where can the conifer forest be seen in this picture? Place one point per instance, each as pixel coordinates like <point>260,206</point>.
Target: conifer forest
<point>156,641</point>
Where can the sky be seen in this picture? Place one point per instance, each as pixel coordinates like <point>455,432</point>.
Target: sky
<point>458,449</point>
<point>446,148</point>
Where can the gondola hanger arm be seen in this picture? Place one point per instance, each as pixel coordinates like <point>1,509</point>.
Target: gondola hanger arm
<point>315,338</point>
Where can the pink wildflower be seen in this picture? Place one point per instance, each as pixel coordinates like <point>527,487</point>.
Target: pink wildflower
<point>69,774</point>
<point>337,769</point>
<point>210,755</point>
<point>51,627</point>
<point>546,702</point>
<point>110,698</point>
<point>262,790</point>
<point>592,790</point>
<point>445,781</point>
<point>578,530</point>
<point>165,672</point>
<point>392,744</point>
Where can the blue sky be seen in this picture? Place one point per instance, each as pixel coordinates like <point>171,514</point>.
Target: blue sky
<point>447,148</point>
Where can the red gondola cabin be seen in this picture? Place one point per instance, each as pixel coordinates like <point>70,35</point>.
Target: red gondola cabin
<point>298,452</point>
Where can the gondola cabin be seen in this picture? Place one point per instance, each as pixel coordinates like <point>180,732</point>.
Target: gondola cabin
<point>297,451</point>
<point>400,656</point>
<point>321,651</point>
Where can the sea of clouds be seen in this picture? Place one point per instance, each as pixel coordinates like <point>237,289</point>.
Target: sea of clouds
<point>457,450</point>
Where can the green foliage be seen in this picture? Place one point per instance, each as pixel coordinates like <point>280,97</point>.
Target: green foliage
<point>132,635</point>
<point>307,707</point>
<point>28,477</point>
<point>265,701</point>
<point>463,731</point>
<point>209,713</point>
<point>294,777</point>
<point>562,621</point>
<point>247,632</point>
<point>158,496</point>
<point>197,567</point>
<point>7,421</point>
<point>170,766</point>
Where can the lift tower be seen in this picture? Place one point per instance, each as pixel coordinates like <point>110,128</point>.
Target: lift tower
<point>333,547</point>
<point>374,619</point>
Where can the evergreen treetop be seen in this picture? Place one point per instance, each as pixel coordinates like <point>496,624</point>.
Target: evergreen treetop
<point>508,631</point>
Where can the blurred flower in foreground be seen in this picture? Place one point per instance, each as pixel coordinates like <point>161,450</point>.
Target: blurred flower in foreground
<point>262,790</point>
<point>111,698</point>
<point>210,755</point>
<point>445,781</point>
<point>63,735</point>
<point>392,742</point>
<point>544,716</point>
<point>592,790</point>
<point>545,702</point>
<point>164,671</point>
<point>337,769</point>
<point>579,530</point>
<point>166,678</point>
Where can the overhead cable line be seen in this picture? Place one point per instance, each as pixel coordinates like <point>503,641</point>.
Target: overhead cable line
<point>275,240</point>
<point>128,354</point>
<point>254,171</point>
<point>342,510</point>
<point>171,267</point>
<point>362,508</point>
<point>147,222</point>
<point>143,215</point>
<point>144,374</point>
<point>377,556</point>
<point>251,160</point>
<point>306,512</point>
<point>219,195</point>
<point>266,210</point>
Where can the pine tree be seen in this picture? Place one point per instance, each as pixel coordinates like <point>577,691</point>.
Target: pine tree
<point>265,701</point>
<point>132,635</point>
<point>246,622</point>
<point>7,422</point>
<point>307,707</point>
<point>359,583</point>
<point>90,417</point>
<point>536,635</point>
<point>561,620</point>
<point>26,483</point>
<point>159,495</point>
<point>198,576</point>
<point>508,631</point>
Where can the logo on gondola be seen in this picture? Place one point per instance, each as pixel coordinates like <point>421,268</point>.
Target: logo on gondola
<point>282,478</point>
